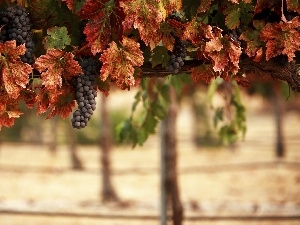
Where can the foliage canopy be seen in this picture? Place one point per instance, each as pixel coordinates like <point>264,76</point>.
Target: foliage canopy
<point>132,38</point>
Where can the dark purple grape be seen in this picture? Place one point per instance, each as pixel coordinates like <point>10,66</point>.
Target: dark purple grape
<point>85,92</point>
<point>177,56</point>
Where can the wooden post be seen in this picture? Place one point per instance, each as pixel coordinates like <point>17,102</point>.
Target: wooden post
<point>278,114</point>
<point>169,180</point>
<point>108,191</point>
<point>163,172</point>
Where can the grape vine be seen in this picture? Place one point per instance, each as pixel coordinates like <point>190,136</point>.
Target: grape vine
<point>228,40</point>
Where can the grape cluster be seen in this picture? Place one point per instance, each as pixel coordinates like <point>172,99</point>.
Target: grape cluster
<point>235,34</point>
<point>16,26</point>
<point>177,56</point>
<point>85,93</point>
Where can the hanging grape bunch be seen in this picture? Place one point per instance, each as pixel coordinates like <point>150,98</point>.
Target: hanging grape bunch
<point>86,93</point>
<point>16,26</point>
<point>177,56</point>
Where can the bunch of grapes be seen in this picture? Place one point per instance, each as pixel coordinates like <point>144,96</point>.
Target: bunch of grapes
<point>177,56</point>
<point>85,93</point>
<point>16,26</point>
<point>235,34</point>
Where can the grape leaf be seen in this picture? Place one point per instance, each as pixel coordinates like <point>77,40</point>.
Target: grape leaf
<point>203,72</point>
<point>98,35</point>
<point>74,5</point>
<point>55,65</point>
<point>103,86</point>
<point>145,16</point>
<point>48,13</point>
<point>104,22</point>
<point>282,38</point>
<point>197,32</point>
<point>46,99</point>
<point>224,54</point>
<point>254,44</point>
<point>160,56</point>
<point>57,38</point>
<point>242,81</point>
<point>9,110</point>
<point>172,5</point>
<point>29,97</point>
<point>63,106</point>
<point>168,41</point>
<point>293,5</point>
<point>204,5</point>
<point>70,4</point>
<point>263,4</point>
<point>14,71</point>
<point>119,63</point>
<point>233,15</point>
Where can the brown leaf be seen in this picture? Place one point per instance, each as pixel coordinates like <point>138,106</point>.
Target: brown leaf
<point>119,63</point>
<point>14,71</point>
<point>55,65</point>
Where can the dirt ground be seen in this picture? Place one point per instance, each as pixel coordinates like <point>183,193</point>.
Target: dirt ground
<point>39,188</point>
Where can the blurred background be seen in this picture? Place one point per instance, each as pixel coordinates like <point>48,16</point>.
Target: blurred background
<point>51,173</point>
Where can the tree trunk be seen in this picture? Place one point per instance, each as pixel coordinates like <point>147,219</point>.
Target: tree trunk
<point>108,191</point>
<point>278,114</point>
<point>75,160</point>
<point>170,142</point>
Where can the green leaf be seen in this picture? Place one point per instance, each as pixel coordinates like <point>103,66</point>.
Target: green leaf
<point>190,8</point>
<point>179,80</point>
<point>228,134</point>
<point>232,19</point>
<point>142,136</point>
<point>219,114</point>
<point>103,86</point>
<point>160,56</point>
<point>150,123</point>
<point>122,128</point>
<point>57,37</point>
<point>212,88</point>
<point>237,14</point>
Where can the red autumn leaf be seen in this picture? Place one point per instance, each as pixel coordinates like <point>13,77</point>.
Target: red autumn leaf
<point>170,29</point>
<point>93,9</point>
<point>204,5</point>
<point>14,71</point>
<point>119,63</point>
<point>97,35</point>
<point>234,53</point>
<point>55,65</point>
<point>172,5</point>
<point>105,19</point>
<point>219,60</point>
<point>70,4</point>
<point>6,121</point>
<point>224,55</point>
<point>45,99</point>
<point>282,38</point>
<point>63,107</point>
<point>9,110</point>
<point>293,5</point>
<point>258,55</point>
<point>242,81</point>
<point>168,41</point>
<point>263,4</point>
<point>71,66</point>
<point>29,97</point>
<point>213,45</point>
<point>197,32</point>
<point>204,72</point>
<point>254,44</point>
<point>146,16</point>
